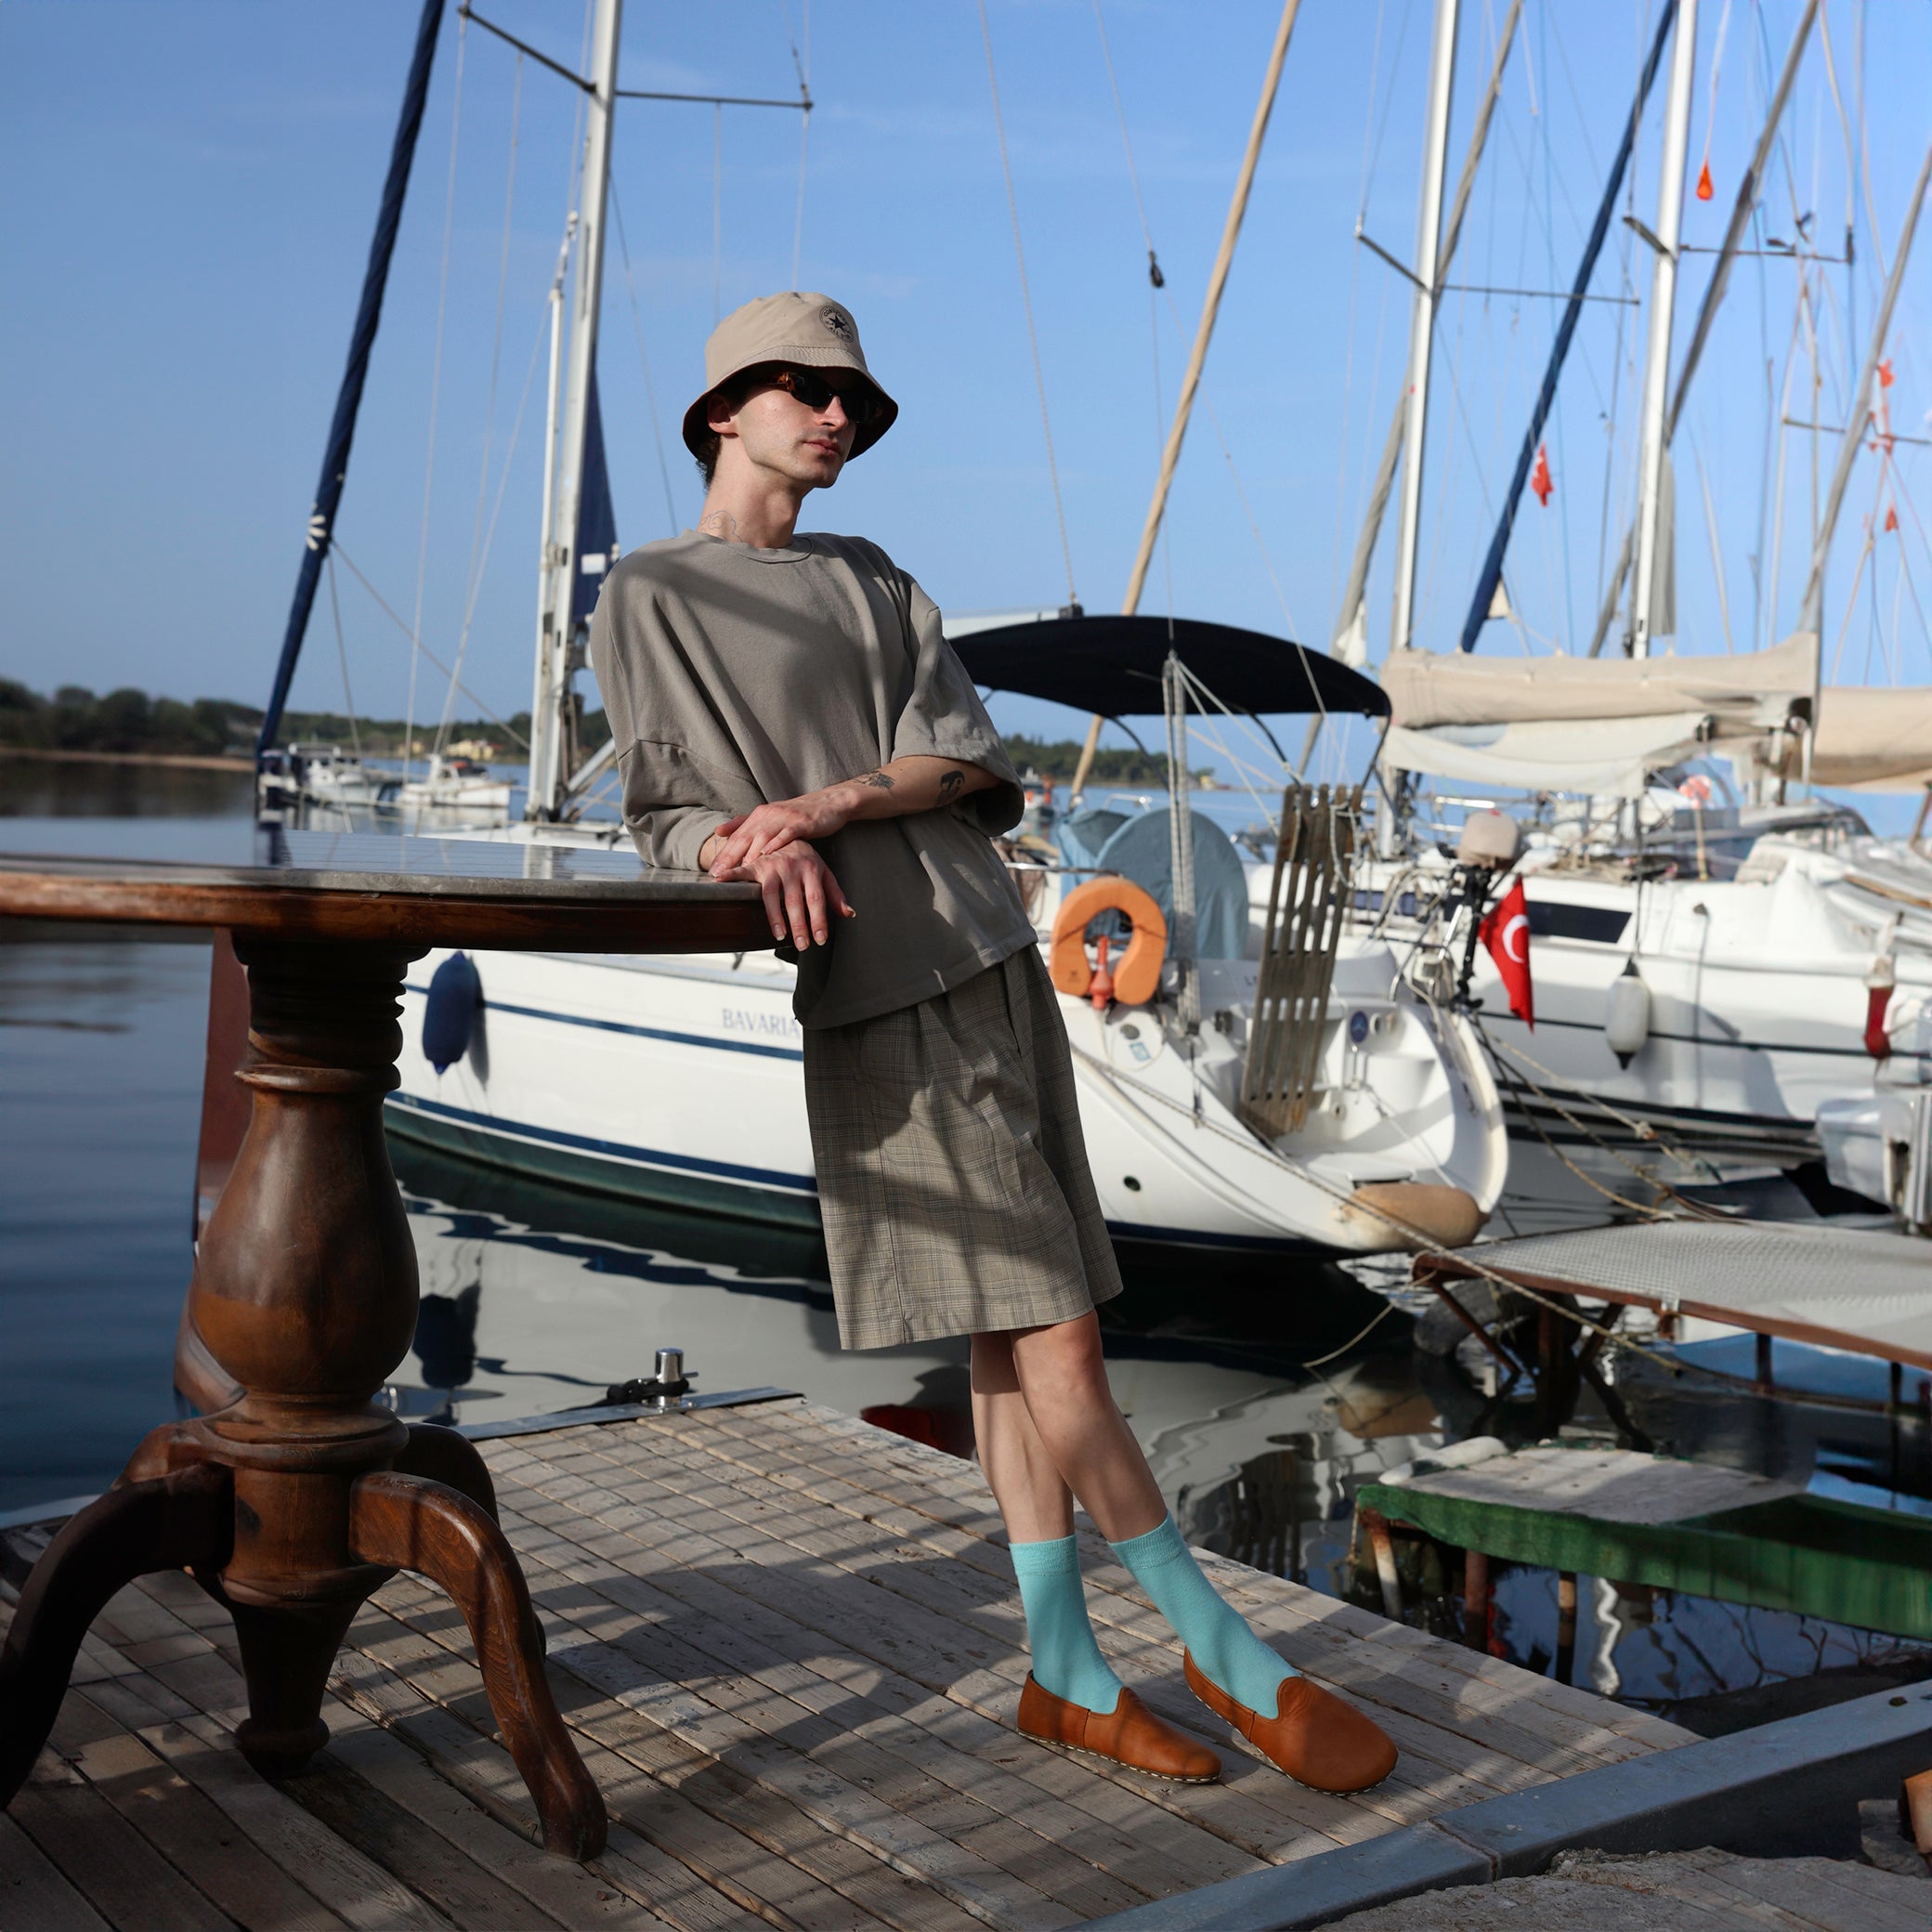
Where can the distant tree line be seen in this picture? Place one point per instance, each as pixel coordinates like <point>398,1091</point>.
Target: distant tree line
<point>132,722</point>
<point>1132,766</point>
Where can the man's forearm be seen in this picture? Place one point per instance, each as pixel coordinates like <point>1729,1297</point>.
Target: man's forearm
<point>896,790</point>
<point>909,785</point>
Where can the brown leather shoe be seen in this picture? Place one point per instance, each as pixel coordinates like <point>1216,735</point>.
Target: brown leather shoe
<point>1128,1734</point>
<point>1315,1737</point>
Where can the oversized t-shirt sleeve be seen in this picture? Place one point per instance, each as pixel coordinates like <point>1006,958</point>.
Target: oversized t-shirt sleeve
<point>673,800</point>
<point>945,719</point>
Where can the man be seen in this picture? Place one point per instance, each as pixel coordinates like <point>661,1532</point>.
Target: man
<point>787,711</point>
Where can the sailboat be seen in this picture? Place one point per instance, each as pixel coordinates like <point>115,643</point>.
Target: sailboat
<point>1305,1097</point>
<point>1708,975</point>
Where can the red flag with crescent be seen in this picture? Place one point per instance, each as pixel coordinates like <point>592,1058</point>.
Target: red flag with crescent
<point>1506,931</point>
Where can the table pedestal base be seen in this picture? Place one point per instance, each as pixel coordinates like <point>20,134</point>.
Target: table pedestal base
<point>433,1512</point>
<point>295,1503</point>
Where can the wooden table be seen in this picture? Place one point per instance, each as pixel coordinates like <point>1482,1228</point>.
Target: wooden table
<point>293,1504</point>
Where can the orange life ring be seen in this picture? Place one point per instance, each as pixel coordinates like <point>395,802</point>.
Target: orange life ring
<point>1136,973</point>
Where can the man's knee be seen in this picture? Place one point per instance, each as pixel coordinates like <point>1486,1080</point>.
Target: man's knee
<point>1062,1362</point>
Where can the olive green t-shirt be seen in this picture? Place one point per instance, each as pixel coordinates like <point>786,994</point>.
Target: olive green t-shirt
<point>734,676</point>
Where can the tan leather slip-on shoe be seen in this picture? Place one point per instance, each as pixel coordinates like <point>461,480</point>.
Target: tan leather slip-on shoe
<point>1313,1736</point>
<point>1128,1734</point>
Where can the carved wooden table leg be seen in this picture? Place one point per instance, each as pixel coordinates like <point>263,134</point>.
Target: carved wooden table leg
<point>410,1524</point>
<point>162,1524</point>
<point>304,1293</point>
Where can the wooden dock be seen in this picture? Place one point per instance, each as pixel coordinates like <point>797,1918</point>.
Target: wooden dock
<point>790,1647</point>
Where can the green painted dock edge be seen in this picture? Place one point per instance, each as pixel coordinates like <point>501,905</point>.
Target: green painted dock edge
<point>1868,1568</point>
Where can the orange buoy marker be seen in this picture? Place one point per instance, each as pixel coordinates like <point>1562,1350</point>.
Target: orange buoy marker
<point>1704,189</point>
<point>1136,975</point>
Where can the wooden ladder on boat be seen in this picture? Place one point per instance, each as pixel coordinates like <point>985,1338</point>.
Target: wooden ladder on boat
<point>1308,900</point>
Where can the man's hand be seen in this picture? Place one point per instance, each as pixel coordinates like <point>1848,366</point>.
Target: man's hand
<point>800,893</point>
<point>772,827</point>
<point>893,790</point>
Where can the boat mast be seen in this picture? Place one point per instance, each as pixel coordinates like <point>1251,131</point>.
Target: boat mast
<point>559,653</point>
<point>321,533</point>
<point>1350,617</point>
<point>1422,318</point>
<point>1742,210</point>
<point>1422,326</point>
<point>1203,334</point>
<point>1492,571</point>
<point>1664,291</point>
<point>1857,420</point>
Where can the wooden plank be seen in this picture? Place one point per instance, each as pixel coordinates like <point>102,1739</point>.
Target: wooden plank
<point>965,1497</point>
<point>35,1897</point>
<point>682,1896</point>
<point>943,1739</point>
<point>739,1634</point>
<point>1609,1735</point>
<point>1427,1781</point>
<point>949,1660</point>
<point>957,1663</point>
<point>122,1877</point>
<point>350,1885</point>
<point>572,1895</point>
<point>921,1785</point>
<point>728,1831</point>
<point>192,1833</point>
<point>425,1861</point>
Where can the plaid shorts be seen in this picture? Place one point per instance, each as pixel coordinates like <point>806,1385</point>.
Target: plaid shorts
<point>952,1171</point>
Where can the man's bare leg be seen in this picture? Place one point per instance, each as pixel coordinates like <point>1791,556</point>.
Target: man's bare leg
<point>1039,1511</point>
<point>1063,1376</point>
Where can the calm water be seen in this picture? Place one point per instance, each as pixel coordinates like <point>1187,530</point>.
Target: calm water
<point>536,1298</point>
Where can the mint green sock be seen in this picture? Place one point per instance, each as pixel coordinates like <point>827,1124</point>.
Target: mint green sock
<point>1066,1660</point>
<point>1214,1631</point>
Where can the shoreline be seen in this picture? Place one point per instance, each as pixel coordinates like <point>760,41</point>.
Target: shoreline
<point>179,761</point>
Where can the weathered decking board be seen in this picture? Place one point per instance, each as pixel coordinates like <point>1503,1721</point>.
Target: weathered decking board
<point>790,1647</point>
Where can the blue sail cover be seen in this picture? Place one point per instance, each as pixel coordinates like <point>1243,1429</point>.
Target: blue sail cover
<point>596,519</point>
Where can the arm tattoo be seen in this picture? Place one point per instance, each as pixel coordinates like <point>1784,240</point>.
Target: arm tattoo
<point>877,781</point>
<point>949,786</point>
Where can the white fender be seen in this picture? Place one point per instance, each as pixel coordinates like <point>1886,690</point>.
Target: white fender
<point>1626,1014</point>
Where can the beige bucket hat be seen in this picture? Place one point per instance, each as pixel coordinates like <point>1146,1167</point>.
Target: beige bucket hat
<point>811,331</point>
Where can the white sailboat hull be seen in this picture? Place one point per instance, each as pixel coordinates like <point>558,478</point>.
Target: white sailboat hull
<point>1757,1002</point>
<point>680,1081</point>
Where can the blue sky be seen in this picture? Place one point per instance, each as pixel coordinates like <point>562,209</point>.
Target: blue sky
<point>187,192</point>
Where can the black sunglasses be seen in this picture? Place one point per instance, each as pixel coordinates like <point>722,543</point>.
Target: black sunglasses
<point>862,404</point>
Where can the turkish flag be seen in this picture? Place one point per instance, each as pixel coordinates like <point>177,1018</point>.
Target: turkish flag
<point>1506,931</point>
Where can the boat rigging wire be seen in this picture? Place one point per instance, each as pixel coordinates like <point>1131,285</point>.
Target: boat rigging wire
<point>474,589</point>
<point>650,391</point>
<point>473,576</point>
<point>341,655</point>
<point>397,618</point>
<point>435,389</point>
<point>801,66</point>
<point>1073,595</point>
<point>717,211</point>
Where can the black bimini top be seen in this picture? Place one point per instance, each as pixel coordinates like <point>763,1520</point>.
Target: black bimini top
<point>1112,665</point>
